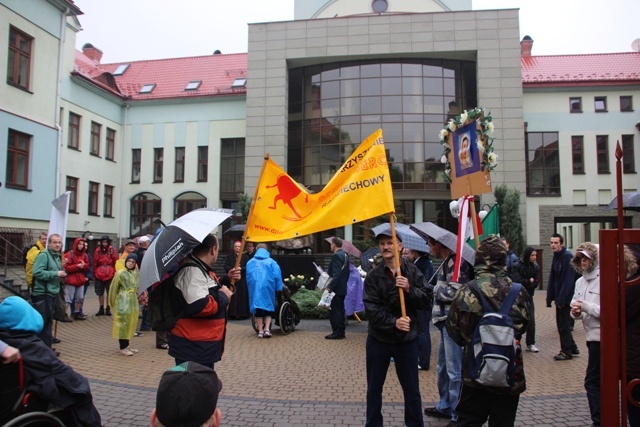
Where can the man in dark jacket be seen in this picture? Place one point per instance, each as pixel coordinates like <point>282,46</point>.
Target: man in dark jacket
<point>390,334</point>
<point>339,272</point>
<point>477,402</point>
<point>560,288</point>
<point>527,272</point>
<point>46,376</point>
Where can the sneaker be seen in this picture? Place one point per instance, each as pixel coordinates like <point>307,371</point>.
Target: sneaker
<point>66,319</point>
<point>56,340</point>
<point>260,334</point>
<point>423,368</point>
<point>138,334</point>
<point>575,352</point>
<point>132,350</point>
<point>100,311</point>
<point>107,312</point>
<point>126,352</point>
<point>532,348</point>
<point>431,411</point>
<point>562,356</point>
<point>267,333</point>
<point>79,317</point>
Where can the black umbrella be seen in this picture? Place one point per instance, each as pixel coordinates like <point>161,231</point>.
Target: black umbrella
<point>235,231</point>
<point>366,259</point>
<point>630,201</point>
<point>176,240</point>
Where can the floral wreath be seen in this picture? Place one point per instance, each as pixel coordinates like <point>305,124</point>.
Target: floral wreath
<point>485,140</point>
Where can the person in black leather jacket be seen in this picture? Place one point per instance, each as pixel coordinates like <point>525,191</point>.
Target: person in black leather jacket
<point>527,272</point>
<point>390,334</point>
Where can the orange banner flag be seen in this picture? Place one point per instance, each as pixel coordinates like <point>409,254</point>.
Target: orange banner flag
<point>360,189</point>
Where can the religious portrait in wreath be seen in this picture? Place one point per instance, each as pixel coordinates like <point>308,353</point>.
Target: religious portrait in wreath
<point>467,157</point>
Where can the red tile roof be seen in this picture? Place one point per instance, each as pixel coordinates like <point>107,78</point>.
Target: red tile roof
<point>171,76</point>
<point>581,70</point>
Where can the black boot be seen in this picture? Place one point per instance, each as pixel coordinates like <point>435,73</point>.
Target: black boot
<point>108,311</point>
<point>100,311</point>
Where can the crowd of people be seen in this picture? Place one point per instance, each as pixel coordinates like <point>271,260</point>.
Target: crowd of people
<point>402,296</point>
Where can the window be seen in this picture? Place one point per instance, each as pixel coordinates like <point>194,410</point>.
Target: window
<point>94,187</point>
<point>203,164</point>
<point>146,209</point>
<point>158,159</point>
<point>577,154</point>
<point>626,103</point>
<point>18,155</point>
<point>186,202</point>
<point>19,62</point>
<point>95,138</point>
<point>136,158</point>
<point>193,85</point>
<point>602,149</point>
<point>543,164</point>
<point>108,201</point>
<point>122,68</point>
<point>179,170</point>
<point>148,88</point>
<point>231,167</point>
<point>74,131</point>
<point>111,144</point>
<point>239,82</point>
<point>600,104</point>
<point>72,186</point>
<point>575,105</point>
<point>628,154</point>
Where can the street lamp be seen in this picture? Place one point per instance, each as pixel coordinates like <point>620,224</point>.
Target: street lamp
<point>87,235</point>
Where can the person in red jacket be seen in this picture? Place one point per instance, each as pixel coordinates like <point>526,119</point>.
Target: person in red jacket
<point>76,264</point>
<point>104,268</point>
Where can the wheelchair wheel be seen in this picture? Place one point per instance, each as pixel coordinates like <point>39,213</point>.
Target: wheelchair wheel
<point>285,318</point>
<point>35,419</point>
<point>253,323</point>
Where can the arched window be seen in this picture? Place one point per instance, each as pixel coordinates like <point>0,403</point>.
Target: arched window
<point>186,202</point>
<point>146,209</point>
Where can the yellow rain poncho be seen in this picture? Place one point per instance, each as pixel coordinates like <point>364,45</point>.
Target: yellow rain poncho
<point>123,300</point>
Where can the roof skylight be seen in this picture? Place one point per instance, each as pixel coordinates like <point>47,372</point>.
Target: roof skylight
<point>148,88</point>
<point>122,68</point>
<point>193,85</point>
<point>239,82</point>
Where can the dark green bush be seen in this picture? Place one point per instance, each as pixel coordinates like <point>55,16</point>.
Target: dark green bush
<point>308,303</point>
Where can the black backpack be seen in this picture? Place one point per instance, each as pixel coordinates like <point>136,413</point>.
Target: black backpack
<point>162,311</point>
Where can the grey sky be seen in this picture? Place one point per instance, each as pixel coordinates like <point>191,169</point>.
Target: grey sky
<point>127,30</point>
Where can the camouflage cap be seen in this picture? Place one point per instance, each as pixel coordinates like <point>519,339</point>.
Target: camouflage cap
<point>492,252</point>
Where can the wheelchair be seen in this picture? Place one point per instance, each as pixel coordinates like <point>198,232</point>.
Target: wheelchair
<point>287,313</point>
<point>18,408</point>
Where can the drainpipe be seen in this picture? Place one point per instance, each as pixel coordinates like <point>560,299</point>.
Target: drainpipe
<point>61,44</point>
<point>123,206</point>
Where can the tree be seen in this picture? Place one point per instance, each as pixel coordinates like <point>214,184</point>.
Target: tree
<point>508,200</point>
<point>244,206</point>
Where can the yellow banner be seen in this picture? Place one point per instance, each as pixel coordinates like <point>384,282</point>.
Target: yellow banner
<point>284,209</point>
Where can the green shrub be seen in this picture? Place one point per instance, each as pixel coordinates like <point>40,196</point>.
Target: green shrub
<point>308,303</point>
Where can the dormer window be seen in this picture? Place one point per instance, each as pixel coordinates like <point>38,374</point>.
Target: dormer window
<point>148,88</point>
<point>239,82</point>
<point>193,85</point>
<point>122,68</point>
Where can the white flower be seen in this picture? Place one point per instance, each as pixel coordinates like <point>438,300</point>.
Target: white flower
<point>443,159</point>
<point>286,279</point>
<point>493,159</point>
<point>448,172</point>
<point>464,117</point>
<point>300,276</point>
<point>490,128</point>
<point>444,134</point>
<point>452,125</point>
<point>480,145</point>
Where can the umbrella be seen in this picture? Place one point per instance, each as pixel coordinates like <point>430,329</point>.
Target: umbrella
<point>410,239</point>
<point>630,201</point>
<point>444,237</point>
<point>236,231</point>
<point>366,259</point>
<point>348,247</point>
<point>176,240</point>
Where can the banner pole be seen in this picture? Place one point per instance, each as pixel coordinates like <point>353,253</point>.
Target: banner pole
<point>396,257</point>
<point>246,227</point>
<point>474,222</point>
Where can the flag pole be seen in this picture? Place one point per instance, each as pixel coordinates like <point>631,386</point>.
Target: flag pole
<point>474,221</point>
<point>396,255</point>
<point>253,202</point>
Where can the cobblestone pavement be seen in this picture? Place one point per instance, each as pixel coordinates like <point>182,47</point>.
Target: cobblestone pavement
<point>303,379</point>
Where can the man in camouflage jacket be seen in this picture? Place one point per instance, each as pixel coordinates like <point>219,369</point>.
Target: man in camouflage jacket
<point>478,403</point>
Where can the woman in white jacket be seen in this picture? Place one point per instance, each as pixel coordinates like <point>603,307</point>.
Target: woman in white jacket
<point>585,305</point>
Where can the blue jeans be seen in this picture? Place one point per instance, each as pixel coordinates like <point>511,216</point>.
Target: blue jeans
<point>424,338</point>
<point>592,381</point>
<point>378,359</point>
<point>46,334</point>
<point>449,372</point>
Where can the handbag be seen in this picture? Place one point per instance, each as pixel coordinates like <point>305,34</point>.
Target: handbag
<point>41,307</point>
<point>59,311</point>
<point>325,280</point>
<point>325,301</point>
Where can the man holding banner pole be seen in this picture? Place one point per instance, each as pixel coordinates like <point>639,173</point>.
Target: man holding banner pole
<point>391,332</point>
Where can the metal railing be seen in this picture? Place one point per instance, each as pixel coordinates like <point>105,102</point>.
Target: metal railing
<point>11,262</point>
